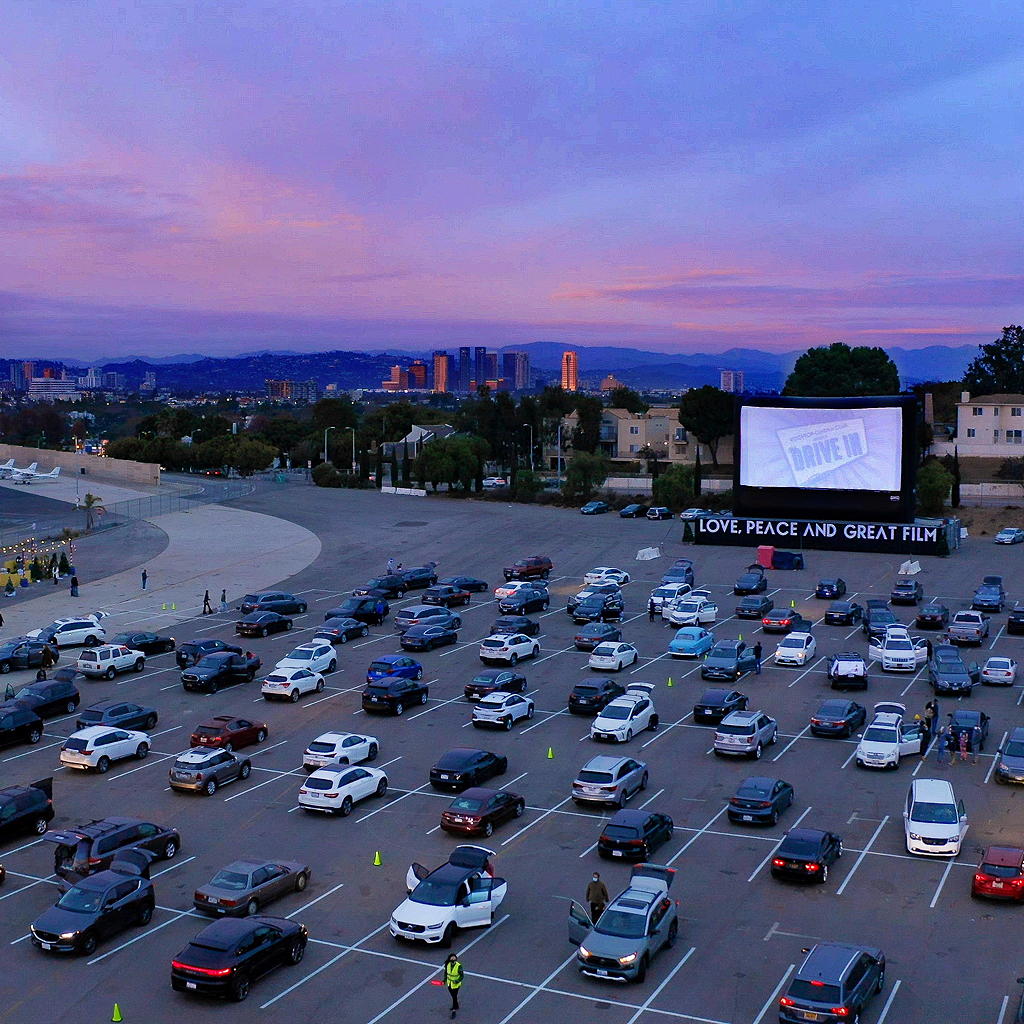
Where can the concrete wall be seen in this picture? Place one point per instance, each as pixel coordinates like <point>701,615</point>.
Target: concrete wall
<point>117,471</point>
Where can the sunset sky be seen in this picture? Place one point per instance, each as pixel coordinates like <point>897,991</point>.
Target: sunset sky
<point>231,175</point>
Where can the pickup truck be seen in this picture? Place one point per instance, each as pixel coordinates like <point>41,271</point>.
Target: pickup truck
<point>218,670</point>
<point>968,628</point>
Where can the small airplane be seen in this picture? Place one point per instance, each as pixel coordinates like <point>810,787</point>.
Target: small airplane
<point>30,474</point>
<point>6,468</point>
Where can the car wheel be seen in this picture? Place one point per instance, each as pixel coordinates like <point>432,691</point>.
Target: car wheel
<point>87,946</point>
<point>71,706</point>
<point>641,973</point>
<point>629,735</point>
<point>423,697</point>
<point>170,849</point>
<point>446,939</point>
<point>346,807</point>
<point>91,641</point>
<point>319,686</point>
<point>529,711</point>
<point>240,990</point>
<point>294,696</point>
<point>774,819</point>
<point>150,722</point>
<point>371,754</point>
<point>824,873</point>
<point>653,724</point>
<point>333,665</point>
<point>145,915</point>
<point>40,826</point>
<point>301,881</point>
<point>103,765</point>
<point>488,830</point>
<point>141,751</point>
<point>399,708</point>
<point>365,631</point>
<point>513,659</point>
<point>110,673</point>
<point>758,750</point>
<point>673,931</point>
<point>296,952</point>
<point>302,609</point>
<point>643,781</point>
<point>211,787</point>
<point>507,722</point>
<point>139,665</point>
<point>245,771</point>
<point>5,667</point>
<point>252,907</point>
<point>382,787</point>
<point>775,736</point>
<point>419,674</point>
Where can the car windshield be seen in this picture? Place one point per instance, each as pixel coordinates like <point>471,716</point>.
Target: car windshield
<point>1000,663</point>
<point>604,650</point>
<point>234,881</point>
<point>753,792</point>
<point>1000,870</point>
<point>618,922</point>
<point>1015,748</point>
<point>435,894</point>
<point>466,804</point>
<point>934,814</point>
<point>898,645</point>
<point>621,832</point>
<point>799,847</point>
<point>664,592</point>
<point>592,776</point>
<point>814,992</point>
<point>833,707</point>
<point>381,666</point>
<point>301,655</point>
<point>877,734</point>
<point>319,783</point>
<point>792,641</point>
<point>81,901</point>
<point>493,643</point>
<point>727,653</point>
<point>736,730</point>
<point>586,691</point>
<point>75,744</point>
<point>320,747</point>
<point>251,599</point>
<point>616,712</point>
<point>688,607</point>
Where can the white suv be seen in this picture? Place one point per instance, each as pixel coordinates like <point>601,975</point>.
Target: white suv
<point>934,821</point>
<point>317,656</point>
<point>690,611</point>
<point>667,593</point>
<point>509,649</point>
<point>888,738</point>
<point>621,719</point>
<point>106,661</point>
<point>332,748</point>
<point>898,651</point>
<point>99,745</point>
<point>84,631</point>
<point>795,649</point>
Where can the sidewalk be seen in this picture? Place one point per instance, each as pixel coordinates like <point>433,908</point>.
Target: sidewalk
<point>210,548</point>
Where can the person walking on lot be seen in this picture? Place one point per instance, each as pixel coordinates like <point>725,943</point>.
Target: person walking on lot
<point>224,600</point>
<point>207,607</point>
<point>74,586</point>
<point>758,651</point>
<point>145,578</point>
<point>453,980</point>
<point>650,610</point>
<point>379,609</point>
<point>931,714</point>
<point>947,742</point>
<point>597,896</point>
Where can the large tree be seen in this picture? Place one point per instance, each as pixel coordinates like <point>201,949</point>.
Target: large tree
<point>707,413</point>
<point>586,437</point>
<point>626,398</point>
<point>838,371</point>
<point>998,369</point>
<point>586,473</point>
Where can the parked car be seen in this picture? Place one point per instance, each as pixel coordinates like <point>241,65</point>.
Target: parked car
<point>107,661</point>
<point>691,642</point>
<point>226,957</point>
<point>753,606</point>
<point>601,589</point>
<point>888,737</point>
<point>692,610</point>
<point>745,734</point>
<point>26,809</point>
<point>934,820</point>
<point>832,587</point>
<point>529,568</point>
<point>680,571</point>
<point>948,673</point>
<point>99,746</point>
<point>659,512</point>
<point>609,780</point>
<point>728,660</point>
<point>796,649</point>
<point>470,583</point>
<point>462,767</point>
<point>833,976</point>
<point>424,615</point>
<point>479,811</point>
<point>932,615</point>
<point>877,620</point>
<point>23,652</point>
<point>715,703</point>
<point>1015,620</point>
<point>1010,535</point>
<point>806,854</point>
<point>122,713</point>
<point>600,608</point>
<point>272,601</point>
<point>84,631</point>
<point>760,800</point>
<point>262,624</point>
<point>339,748</point>
<point>391,585</point>
<point>143,640</point>
<point>229,732</point>
<point>193,651</point>
<point>510,649</point>
<point>337,788</point>
<point>506,625</point>
<point>752,581</point>
<point>633,511</point>
<point>446,594</point>
<point>501,710</point>
<point>666,593</point>
<point>968,628</point>
<point>524,601</point>
<point>205,770</point>
<point>999,672</point>
<point>974,723</point>
<point>46,698</point>
<point>785,620</point>
<point>370,610</point>
<point>906,590</point>
<point>594,633</point>
<point>394,665</point>
<point>394,694</point>
<point>847,670</point>
<point>1009,766</point>
<point>426,637</point>
<point>634,834</point>
<point>989,597</point>
<point>291,683</point>
<point>243,887</point>
<point>898,651</point>
<point>1000,875</point>
<point>621,719</point>
<point>837,716</point>
<point>340,631</point>
<point>220,669</point>
<point>596,508</point>
<point>494,680</point>
<point>608,657</point>
<point>588,698</point>
<point>843,613</point>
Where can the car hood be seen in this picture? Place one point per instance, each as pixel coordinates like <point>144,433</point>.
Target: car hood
<point>932,830</point>
<point>412,912</point>
<point>611,945</point>
<point>58,920</point>
<point>1012,762</point>
<point>713,662</point>
<point>875,747</point>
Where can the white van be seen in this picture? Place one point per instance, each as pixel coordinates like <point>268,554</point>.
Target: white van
<point>934,820</point>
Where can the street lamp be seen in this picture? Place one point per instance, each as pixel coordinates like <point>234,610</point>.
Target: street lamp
<point>326,432</point>
<point>355,466</point>
<point>558,464</point>
<point>529,427</point>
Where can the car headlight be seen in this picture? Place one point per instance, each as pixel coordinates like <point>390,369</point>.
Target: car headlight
<point>434,927</point>
<point>953,839</point>
<point>68,935</point>
<point>585,953</point>
<point>914,835</point>
<point>627,959</point>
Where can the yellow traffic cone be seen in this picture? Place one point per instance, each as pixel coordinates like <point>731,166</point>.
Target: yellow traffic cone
<point>792,604</point>
<point>377,860</point>
<point>117,1014</point>
<point>551,754</point>
<point>670,683</point>
<point>163,607</point>
<point>174,607</point>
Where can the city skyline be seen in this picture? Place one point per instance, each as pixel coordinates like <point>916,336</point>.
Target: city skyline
<point>676,180</point>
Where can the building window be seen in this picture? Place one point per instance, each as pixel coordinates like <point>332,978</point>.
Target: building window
<point>995,437</point>
<point>977,411</point>
<point>1015,410</point>
<point>634,448</point>
<point>995,410</point>
<point>681,435</point>
<point>971,431</point>
<point>634,430</point>
<point>1015,437</point>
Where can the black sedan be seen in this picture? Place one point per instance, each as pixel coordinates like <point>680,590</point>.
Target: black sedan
<point>805,855</point>
<point>193,651</point>
<point>595,508</point>
<point>446,594</point>
<point>590,697</point>
<point>830,588</point>
<point>226,957</point>
<point>425,637</point>
<point>837,717</point>
<point>470,583</point>
<point>633,834</point>
<point>340,631</point>
<point>753,581</point>
<point>25,652</point>
<point>975,723</point>
<point>759,800</point>
<point>843,613</point>
<point>524,601</point>
<point>148,643</point>
<point>594,633</point>
<point>463,767</point>
<point>633,512</point>
<point>933,615</point>
<point>262,624</point>
<point>753,606</point>
<point>394,694</point>
<point>877,620</point>
<point>715,703</point>
<point>46,697</point>
<point>492,680</point>
<point>371,610</point>
<point>507,625</point>
<point>785,620</point>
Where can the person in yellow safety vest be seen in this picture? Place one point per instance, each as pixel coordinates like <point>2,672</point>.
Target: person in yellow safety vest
<point>453,980</point>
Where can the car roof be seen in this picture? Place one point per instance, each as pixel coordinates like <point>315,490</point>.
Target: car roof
<point>760,781</point>
<point>629,816</point>
<point>740,716</point>
<point>604,763</point>
<point>105,705</point>
<point>1007,856</point>
<point>91,732</point>
<point>478,793</point>
<point>933,790</point>
<point>828,960</point>
<point>805,835</point>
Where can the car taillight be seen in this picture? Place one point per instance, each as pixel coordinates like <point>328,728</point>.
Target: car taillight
<point>778,862</point>
<point>980,878</point>
<point>763,803</point>
<point>331,796</point>
<point>841,1011</point>
<point>811,866</point>
<point>1017,881</point>
<point>230,903</point>
<point>815,721</point>
<point>786,622</point>
<point>765,622</point>
<point>211,972</point>
<point>786,1001</point>
<point>95,860</point>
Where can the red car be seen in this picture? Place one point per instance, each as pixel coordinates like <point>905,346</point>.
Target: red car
<point>477,811</point>
<point>1000,876</point>
<point>230,732</point>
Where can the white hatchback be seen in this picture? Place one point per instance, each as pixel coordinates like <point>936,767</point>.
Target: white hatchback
<point>613,657</point>
<point>336,790</point>
<point>317,656</point>
<point>795,649</point>
<point>99,746</point>
<point>501,710</point>
<point>510,649</point>
<point>339,748</point>
<point>621,719</point>
<point>291,684</point>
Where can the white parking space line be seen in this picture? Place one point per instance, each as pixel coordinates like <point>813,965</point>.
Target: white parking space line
<point>440,704</point>
<point>863,854</point>
<point>322,896</point>
<point>803,732</point>
<point>651,799</point>
<point>549,716</point>
<point>888,1002</point>
<point>996,637</point>
<point>548,657</point>
<point>775,994</point>
<point>1002,1009</point>
<point>650,662</point>
<point>771,852</point>
<point>536,991</point>
<point>942,882</point>
<point>259,785</point>
<point>35,749</point>
<point>18,849</point>
<point>149,762</point>
<point>38,881</point>
<point>806,670</point>
<point>530,825</point>
<point>992,766</point>
<point>696,835</point>
<point>322,967</point>
<point>917,675</point>
<point>654,995</point>
<point>176,864</point>
<point>391,803</point>
<point>143,935</point>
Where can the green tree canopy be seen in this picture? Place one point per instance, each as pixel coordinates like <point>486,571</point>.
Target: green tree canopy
<point>334,412</point>
<point>585,474</point>
<point>998,369</point>
<point>838,371</point>
<point>707,413</point>
<point>674,487</point>
<point>627,398</point>
<point>934,482</point>
<point>586,436</point>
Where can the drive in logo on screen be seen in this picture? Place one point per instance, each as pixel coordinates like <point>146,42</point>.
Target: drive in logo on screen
<point>819,450</point>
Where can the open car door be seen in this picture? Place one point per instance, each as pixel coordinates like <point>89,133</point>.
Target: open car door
<point>579,923</point>
<point>415,875</point>
<point>921,645</point>
<point>133,861</point>
<point>652,877</point>
<point>888,707</point>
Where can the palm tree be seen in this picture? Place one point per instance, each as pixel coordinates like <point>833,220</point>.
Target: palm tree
<point>93,506</point>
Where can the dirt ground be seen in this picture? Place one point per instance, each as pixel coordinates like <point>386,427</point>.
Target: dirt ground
<point>982,522</point>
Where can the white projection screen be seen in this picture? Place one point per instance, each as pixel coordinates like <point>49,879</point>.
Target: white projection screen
<point>850,449</point>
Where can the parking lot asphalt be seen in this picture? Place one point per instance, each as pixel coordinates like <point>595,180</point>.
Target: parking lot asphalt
<point>741,932</point>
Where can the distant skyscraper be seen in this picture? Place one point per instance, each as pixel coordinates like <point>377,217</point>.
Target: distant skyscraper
<point>418,375</point>
<point>570,371</point>
<point>491,366</point>
<point>731,381</point>
<point>465,370</point>
<point>479,366</point>
<point>441,366</point>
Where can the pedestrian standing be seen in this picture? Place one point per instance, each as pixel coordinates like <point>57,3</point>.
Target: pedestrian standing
<point>56,576</point>
<point>145,578</point>
<point>453,980</point>
<point>224,600</point>
<point>651,609</point>
<point>391,566</point>
<point>940,747</point>
<point>931,716</point>
<point>207,607</point>
<point>758,651</point>
<point>974,741</point>
<point>597,896</point>
<point>74,586</point>
<point>1,620</point>
<point>379,609</point>
<point>964,743</point>
<point>951,744</point>
<point>926,735</point>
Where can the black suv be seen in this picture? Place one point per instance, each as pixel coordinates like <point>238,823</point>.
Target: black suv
<point>394,694</point>
<point>273,601</point>
<point>218,670</point>
<point>524,601</point>
<point>507,625</point>
<point>26,809</point>
<point>391,585</point>
<point>24,652</point>
<point>371,610</point>
<point>590,697</point>
<point>122,713</point>
<point>599,608</point>
<point>86,849</point>
<point>194,650</point>
<point>45,698</point>
<point>419,577</point>
<point>834,983</point>
<point>19,725</point>
<point>1015,620</point>
<point>634,834</point>
<point>906,591</point>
